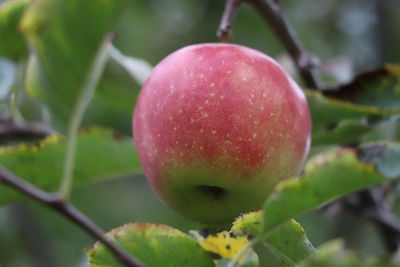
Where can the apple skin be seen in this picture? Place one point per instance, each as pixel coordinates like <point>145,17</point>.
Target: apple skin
<point>216,127</point>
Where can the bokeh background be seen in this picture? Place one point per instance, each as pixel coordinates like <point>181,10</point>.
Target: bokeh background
<point>348,36</point>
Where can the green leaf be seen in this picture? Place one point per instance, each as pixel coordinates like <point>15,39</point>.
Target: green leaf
<point>153,244</point>
<point>12,43</point>
<point>326,111</point>
<point>288,243</point>
<point>327,176</point>
<point>138,68</point>
<point>101,154</point>
<point>65,36</point>
<point>344,133</point>
<point>115,98</point>
<point>334,254</point>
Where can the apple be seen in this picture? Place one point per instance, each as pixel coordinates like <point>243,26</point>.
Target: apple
<point>216,127</point>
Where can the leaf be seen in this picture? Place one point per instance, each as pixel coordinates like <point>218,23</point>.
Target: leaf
<point>344,133</point>
<point>7,77</point>
<point>139,69</point>
<point>101,154</point>
<point>154,245</point>
<point>288,243</point>
<point>384,155</point>
<point>333,254</point>
<point>115,98</point>
<point>327,176</point>
<point>225,246</point>
<point>326,111</point>
<point>376,88</point>
<point>371,94</point>
<point>12,43</point>
<point>65,43</point>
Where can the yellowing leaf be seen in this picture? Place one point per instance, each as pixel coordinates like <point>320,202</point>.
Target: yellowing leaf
<point>225,244</point>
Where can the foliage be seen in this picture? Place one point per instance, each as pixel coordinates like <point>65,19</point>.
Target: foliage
<point>355,142</point>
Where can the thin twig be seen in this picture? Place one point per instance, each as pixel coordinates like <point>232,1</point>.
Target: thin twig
<point>225,26</point>
<point>70,212</point>
<point>86,94</point>
<point>270,10</point>
<point>370,203</point>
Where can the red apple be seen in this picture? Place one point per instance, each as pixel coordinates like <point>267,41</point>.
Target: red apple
<point>217,126</point>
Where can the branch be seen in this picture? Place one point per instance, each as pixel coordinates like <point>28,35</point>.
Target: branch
<point>371,204</point>
<point>11,129</point>
<point>225,26</point>
<point>270,10</point>
<point>70,212</point>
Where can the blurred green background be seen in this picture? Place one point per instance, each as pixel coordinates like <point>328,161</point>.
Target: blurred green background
<point>347,35</point>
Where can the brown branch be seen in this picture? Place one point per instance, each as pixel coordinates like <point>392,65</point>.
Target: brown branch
<point>370,203</point>
<point>270,10</point>
<point>70,212</point>
<point>11,129</point>
<point>225,26</point>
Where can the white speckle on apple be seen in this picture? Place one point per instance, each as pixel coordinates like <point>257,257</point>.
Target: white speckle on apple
<point>214,132</point>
